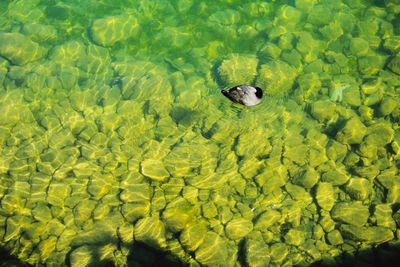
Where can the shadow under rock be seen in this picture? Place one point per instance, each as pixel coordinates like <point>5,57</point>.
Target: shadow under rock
<point>145,256</point>
<point>7,260</point>
<point>384,255</point>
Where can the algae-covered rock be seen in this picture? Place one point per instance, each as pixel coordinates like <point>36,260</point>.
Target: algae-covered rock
<point>383,216</point>
<point>209,210</point>
<point>394,64</point>
<point>225,17</point>
<point>353,132</point>
<point>325,196</point>
<point>238,69</point>
<point>257,251</point>
<point>358,188</point>
<point>40,32</point>
<point>296,153</point>
<point>388,105</point>
<point>359,46</point>
<point>82,256</point>
<point>178,214</point>
<point>278,252</point>
<point>276,78</point>
<point>320,15</point>
<point>270,50</point>
<point>193,236</point>
<point>392,43</point>
<point>133,211</point>
<point>336,151</point>
<point>238,228</point>
<point>391,182</point>
<point>56,193</point>
<point>83,211</point>
<point>370,235</point>
<point>309,85</point>
<point>213,251</point>
<point>332,31</point>
<point>112,29</point>
<point>295,237</point>
<point>267,219</point>
<point>334,237</point>
<point>151,231</point>
<point>307,178</point>
<point>154,169</point>
<point>19,49</point>
<point>335,177</point>
<point>353,213</point>
<point>371,64</point>
<point>298,193</point>
<point>323,110</point>
<point>380,134</point>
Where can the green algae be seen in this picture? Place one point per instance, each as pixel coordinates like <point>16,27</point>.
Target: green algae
<point>114,134</point>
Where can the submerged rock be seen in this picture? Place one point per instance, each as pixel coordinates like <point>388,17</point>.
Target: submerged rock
<point>193,236</point>
<point>154,169</point>
<point>394,65</point>
<point>358,188</point>
<point>19,49</point>
<point>353,132</point>
<point>353,213</point>
<point>257,252</point>
<point>151,231</point>
<point>370,235</point>
<point>112,29</point>
<point>325,196</point>
<point>178,214</point>
<point>276,78</point>
<point>238,69</point>
<point>213,251</point>
<point>238,228</point>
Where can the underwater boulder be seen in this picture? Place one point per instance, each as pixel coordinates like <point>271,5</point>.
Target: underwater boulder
<point>278,252</point>
<point>112,29</point>
<point>353,132</point>
<point>256,250</point>
<point>178,213</point>
<point>193,236</point>
<point>353,213</point>
<point>383,216</point>
<point>370,235</point>
<point>154,169</point>
<point>295,237</point>
<point>323,110</point>
<point>276,78</point>
<point>238,228</point>
<point>238,69</point>
<point>150,231</point>
<point>20,49</point>
<point>388,105</point>
<point>325,196</point>
<point>40,32</point>
<point>358,188</point>
<point>213,251</point>
<point>334,237</point>
<point>380,134</point>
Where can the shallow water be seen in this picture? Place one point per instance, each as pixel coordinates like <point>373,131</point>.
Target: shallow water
<point>117,147</point>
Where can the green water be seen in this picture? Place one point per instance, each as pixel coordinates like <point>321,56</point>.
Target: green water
<point>118,149</point>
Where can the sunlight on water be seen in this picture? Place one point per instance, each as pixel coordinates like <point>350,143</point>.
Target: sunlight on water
<point>118,148</point>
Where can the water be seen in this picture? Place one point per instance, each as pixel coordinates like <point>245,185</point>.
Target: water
<point>117,147</point>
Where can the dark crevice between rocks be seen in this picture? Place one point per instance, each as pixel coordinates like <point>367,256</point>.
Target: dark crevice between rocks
<point>145,256</point>
<point>7,260</point>
<point>380,256</point>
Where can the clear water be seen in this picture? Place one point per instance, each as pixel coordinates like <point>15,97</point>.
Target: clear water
<point>117,147</point>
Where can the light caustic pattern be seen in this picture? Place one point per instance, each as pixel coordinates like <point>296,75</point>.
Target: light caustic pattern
<point>118,148</point>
